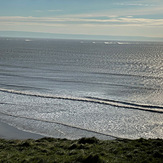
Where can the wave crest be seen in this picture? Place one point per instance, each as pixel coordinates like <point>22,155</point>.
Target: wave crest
<point>121,104</point>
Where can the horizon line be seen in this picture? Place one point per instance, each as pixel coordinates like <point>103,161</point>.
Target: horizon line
<point>43,35</point>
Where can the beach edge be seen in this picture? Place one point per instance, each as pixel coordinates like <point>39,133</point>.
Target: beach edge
<point>9,132</point>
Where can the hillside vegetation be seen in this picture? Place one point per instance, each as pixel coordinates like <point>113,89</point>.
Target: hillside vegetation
<point>84,150</point>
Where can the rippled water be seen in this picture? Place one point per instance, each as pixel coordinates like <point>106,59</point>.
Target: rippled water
<point>74,88</point>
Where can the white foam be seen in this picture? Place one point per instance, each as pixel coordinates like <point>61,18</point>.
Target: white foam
<point>157,109</point>
<point>27,40</point>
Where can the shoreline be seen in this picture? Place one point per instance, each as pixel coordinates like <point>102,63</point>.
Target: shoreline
<point>10,132</point>
<point>25,146</point>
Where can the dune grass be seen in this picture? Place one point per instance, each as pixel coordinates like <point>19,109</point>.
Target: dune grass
<point>84,150</point>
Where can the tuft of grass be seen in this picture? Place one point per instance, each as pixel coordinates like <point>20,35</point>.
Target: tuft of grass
<point>88,140</point>
<point>93,150</point>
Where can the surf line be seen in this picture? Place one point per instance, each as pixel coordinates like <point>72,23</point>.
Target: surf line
<point>155,109</point>
<point>63,124</point>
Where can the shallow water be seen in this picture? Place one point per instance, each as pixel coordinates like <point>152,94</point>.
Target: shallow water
<point>74,88</point>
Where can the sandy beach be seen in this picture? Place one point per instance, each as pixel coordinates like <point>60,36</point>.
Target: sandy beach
<point>9,132</point>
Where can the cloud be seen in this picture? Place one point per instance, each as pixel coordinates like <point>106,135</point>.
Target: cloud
<point>45,11</point>
<point>55,10</point>
<point>88,24</point>
<point>118,27</point>
<point>134,4</point>
<point>38,11</point>
<point>105,20</point>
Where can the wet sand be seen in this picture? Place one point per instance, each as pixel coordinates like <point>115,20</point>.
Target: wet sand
<point>9,132</point>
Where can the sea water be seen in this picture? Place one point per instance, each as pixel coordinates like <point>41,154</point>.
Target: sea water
<point>82,88</point>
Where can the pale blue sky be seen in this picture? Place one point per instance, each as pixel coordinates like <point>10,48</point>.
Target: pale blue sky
<point>88,17</point>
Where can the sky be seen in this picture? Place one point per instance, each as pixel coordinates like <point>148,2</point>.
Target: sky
<point>84,17</point>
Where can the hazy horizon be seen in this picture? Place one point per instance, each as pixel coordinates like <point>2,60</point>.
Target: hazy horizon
<point>38,35</point>
<point>118,19</point>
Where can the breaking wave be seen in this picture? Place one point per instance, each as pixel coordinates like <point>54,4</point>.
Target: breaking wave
<point>120,104</point>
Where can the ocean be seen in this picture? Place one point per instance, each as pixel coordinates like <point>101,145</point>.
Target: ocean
<point>82,88</point>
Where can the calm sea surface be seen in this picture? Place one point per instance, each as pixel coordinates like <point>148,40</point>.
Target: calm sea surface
<point>75,88</point>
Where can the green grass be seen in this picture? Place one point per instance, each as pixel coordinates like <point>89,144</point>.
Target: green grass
<point>83,150</point>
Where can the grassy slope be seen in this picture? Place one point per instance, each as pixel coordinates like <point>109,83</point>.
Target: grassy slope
<point>82,150</point>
